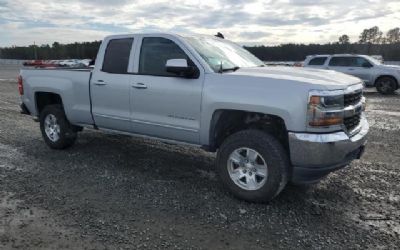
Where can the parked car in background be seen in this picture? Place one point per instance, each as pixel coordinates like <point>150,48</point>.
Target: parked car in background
<point>33,63</point>
<point>69,62</point>
<point>85,62</point>
<point>385,78</point>
<point>72,63</point>
<point>41,63</point>
<point>268,125</point>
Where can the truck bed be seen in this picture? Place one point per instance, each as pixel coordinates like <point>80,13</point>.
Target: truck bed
<point>72,84</point>
<point>58,68</point>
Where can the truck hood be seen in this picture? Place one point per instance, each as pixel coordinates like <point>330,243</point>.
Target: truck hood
<point>327,78</point>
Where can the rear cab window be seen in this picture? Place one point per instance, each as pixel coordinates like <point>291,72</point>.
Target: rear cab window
<point>116,57</point>
<point>318,61</point>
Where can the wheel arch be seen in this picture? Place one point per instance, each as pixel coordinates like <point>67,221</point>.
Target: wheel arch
<point>225,122</point>
<point>387,75</point>
<point>44,98</point>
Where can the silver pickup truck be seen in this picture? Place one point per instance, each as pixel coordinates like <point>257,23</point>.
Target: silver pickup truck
<point>268,125</point>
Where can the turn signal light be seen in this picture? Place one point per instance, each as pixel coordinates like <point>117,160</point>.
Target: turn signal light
<point>326,122</point>
<point>315,100</point>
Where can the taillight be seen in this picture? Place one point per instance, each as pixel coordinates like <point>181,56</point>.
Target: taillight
<point>20,85</point>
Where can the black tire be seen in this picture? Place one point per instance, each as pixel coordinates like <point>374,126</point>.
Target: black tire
<point>386,85</point>
<point>67,132</point>
<point>270,149</point>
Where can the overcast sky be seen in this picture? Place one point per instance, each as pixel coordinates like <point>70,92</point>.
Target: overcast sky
<point>245,21</point>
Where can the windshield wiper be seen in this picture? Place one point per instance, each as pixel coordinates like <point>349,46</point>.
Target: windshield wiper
<point>222,70</point>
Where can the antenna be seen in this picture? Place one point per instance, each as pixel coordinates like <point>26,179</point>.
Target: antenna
<point>219,34</point>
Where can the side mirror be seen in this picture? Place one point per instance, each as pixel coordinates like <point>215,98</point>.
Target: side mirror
<point>180,67</point>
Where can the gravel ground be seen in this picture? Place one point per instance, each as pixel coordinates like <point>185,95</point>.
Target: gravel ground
<point>118,192</point>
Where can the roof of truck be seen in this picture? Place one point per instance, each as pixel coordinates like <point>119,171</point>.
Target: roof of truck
<point>162,33</point>
<point>336,55</point>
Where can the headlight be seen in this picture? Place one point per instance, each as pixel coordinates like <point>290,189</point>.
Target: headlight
<point>325,108</point>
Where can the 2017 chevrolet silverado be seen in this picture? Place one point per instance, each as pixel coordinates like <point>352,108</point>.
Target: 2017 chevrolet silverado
<point>268,125</point>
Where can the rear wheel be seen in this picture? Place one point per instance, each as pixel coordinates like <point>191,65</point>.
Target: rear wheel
<point>386,85</point>
<point>57,132</point>
<point>253,165</point>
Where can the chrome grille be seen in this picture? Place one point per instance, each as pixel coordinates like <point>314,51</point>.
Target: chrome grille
<point>352,98</point>
<point>352,122</point>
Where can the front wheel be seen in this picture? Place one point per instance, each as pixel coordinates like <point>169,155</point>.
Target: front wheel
<point>56,130</point>
<point>253,165</point>
<point>386,85</point>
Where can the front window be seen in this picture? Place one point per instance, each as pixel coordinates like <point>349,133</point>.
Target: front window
<point>360,62</point>
<point>155,53</point>
<point>222,54</point>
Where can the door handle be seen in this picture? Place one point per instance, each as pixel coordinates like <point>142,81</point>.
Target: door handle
<point>351,69</point>
<point>139,85</point>
<point>100,83</point>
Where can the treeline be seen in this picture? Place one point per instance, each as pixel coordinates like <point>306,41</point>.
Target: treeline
<point>298,52</point>
<point>371,42</point>
<point>55,51</point>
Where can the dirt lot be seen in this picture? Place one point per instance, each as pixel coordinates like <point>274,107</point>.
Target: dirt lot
<point>117,192</point>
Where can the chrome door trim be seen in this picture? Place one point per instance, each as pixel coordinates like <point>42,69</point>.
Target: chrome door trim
<point>165,126</point>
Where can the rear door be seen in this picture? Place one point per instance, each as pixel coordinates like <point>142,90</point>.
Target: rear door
<point>163,104</point>
<point>110,86</point>
<point>340,64</point>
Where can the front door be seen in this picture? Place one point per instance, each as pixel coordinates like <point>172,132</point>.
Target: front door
<point>163,104</point>
<point>352,65</point>
<point>361,68</point>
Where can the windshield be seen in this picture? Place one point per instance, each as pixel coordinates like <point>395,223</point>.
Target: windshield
<point>222,54</point>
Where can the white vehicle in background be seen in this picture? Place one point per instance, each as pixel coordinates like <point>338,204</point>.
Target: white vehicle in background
<point>386,78</point>
<point>75,62</point>
<point>69,62</point>
<point>85,62</point>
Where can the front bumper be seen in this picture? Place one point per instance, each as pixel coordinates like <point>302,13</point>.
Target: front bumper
<point>313,156</point>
